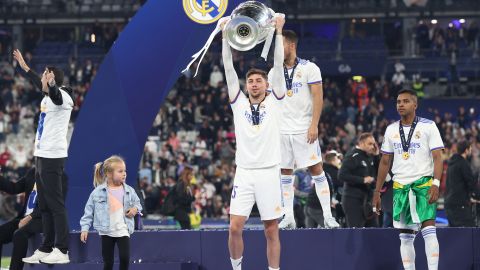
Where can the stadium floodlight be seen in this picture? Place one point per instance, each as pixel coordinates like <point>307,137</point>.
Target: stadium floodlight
<point>462,21</point>
<point>434,21</point>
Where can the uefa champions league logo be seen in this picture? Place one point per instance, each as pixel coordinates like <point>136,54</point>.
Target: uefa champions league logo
<point>205,11</point>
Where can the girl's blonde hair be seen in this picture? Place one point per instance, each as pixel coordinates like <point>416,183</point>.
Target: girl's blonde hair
<point>102,168</point>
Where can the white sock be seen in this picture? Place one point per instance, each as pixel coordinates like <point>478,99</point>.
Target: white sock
<point>236,264</point>
<point>407,250</point>
<point>271,268</point>
<point>431,246</point>
<point>288,194</point>
<point>323,193</point>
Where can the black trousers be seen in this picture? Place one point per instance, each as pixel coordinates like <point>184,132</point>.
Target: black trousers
<point>183,218</point>
<point>355,213</point>
<point>460,216</point>
<point>108,250</point>
<point>52,188</point>
<point>314,217</point>
<point>9,232</point>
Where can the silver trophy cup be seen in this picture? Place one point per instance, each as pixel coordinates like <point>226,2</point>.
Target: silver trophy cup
<point>249,25</point>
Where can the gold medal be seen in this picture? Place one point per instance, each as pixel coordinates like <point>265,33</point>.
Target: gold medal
<point>289,92</point>
<point>405,155</point>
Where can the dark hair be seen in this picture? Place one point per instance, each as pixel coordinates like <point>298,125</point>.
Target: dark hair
<point>329,157</point>
<point>290,36</point>
<point>462,147</point>
<point>58,74</point>
<point>364,136</point>
<point>407,91</point>
<point>260,72</point>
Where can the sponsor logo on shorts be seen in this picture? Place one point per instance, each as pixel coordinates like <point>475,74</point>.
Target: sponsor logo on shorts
<point>313,157</point>
<point>278,209</point>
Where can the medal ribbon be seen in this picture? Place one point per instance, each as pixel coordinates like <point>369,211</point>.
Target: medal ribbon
<point>406,143</point>
<point>289,79</point>
<point>256,113</point>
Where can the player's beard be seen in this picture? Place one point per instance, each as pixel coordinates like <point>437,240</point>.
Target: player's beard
<point>258,94</point>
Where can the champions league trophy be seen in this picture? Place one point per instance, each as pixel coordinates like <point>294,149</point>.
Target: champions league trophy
<point>249,24</point>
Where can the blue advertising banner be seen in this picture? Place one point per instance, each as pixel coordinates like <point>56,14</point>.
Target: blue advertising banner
<point>131,84</point>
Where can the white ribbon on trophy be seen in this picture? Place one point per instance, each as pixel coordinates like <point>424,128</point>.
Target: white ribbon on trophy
<point>268,41</point>
<point>243,32</point>
<point>205,47</point>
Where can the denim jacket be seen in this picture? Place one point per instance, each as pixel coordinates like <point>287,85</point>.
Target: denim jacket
<point>97,209</point>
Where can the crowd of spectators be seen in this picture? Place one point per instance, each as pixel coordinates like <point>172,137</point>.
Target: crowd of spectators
<point>19,110</point>
<point>195,127</point>
<point>435,40</point>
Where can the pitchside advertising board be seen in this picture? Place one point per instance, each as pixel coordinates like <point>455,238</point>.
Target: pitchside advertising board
<point>129,89</point>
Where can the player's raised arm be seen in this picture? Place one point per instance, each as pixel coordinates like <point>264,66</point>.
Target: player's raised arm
<point>34,78</point>
<point>230,73</point>
<point>278,79</point>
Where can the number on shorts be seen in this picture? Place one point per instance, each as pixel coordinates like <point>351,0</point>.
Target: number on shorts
<point>234,192</point>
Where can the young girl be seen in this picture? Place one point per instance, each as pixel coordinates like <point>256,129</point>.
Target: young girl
<point>111,207</point>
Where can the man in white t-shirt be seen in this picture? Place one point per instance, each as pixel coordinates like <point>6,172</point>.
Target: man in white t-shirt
<point>257,129</point>
<point>299,129</point>
<point>50,153</point>
<point>415,145</point>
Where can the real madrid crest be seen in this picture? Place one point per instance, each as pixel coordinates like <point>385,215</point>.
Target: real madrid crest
<point>298,74</point>
<point>289,92</point>
<point>417,135</point>
<point>205,11</point>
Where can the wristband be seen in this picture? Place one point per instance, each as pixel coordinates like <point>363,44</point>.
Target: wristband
<point>436,182</point>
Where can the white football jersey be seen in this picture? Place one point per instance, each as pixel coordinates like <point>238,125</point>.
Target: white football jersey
<point>425,139</point>
<point>258,146</point>
<point>297,106</point>
<point>51,137</point>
